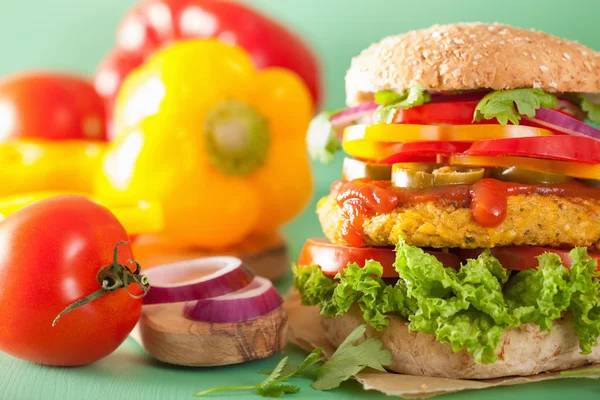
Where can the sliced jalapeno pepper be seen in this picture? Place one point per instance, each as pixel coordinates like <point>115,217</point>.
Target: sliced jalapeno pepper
<point>425,176</point>
<point>355,169</point>
<point>527,176</point>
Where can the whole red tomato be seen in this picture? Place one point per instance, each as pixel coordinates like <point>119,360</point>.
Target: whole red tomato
<point>50,106</point>
<point>152,24</point>
<point>51,254</point>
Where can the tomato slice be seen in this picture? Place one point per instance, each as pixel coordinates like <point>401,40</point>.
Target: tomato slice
<point>453,113</point>
<point>390,153</point>
<point>560,147</point>
<point>332,258</point>
<point>570,168</point>
<point>402,151</point>
<point>520,258</point>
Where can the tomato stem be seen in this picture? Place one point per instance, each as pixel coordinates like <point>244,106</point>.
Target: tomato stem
<point>112,278</point>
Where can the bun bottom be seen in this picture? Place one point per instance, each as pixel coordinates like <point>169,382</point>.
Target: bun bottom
<point>522,351</point>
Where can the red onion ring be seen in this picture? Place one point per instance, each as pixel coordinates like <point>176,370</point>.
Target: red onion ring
<point>175,282</point>
<point>563,123</point>
<point>253,301</point>
<point>349,115</point>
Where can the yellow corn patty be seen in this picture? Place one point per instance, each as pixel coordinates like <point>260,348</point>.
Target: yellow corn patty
<point>537,220</point>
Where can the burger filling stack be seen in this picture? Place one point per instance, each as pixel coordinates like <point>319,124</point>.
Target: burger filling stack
<point>465,228</point>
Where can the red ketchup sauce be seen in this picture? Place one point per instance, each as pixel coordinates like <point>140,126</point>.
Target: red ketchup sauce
<point>487,199</point>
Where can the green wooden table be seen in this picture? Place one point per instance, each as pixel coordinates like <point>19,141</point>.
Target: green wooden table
<point>74,34</point>
<point>131,374</point>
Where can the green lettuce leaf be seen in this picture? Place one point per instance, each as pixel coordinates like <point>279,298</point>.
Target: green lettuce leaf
<point>465,309</point>
<point>585,302</point>
<point>315,288</point>
<point>509,105</point>
<point>390,102</point>
<point>321,139</point>
<point>469,308</point>
<point>592,110</point>
<point>374,297</point>
<point>539,295</point>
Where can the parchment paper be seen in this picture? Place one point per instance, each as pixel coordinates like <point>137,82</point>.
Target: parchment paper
<point>306,332</point>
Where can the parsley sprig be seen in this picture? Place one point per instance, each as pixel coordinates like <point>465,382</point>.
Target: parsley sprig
<point>348,360</point>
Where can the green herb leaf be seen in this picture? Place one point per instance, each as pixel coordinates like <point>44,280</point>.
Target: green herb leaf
<point>314,357</point>
<point>592,110</point>
<point>388,97</point>
<point>275,374</point>
<point>509,105</point>
<point>350,358</point>
<point>275,391</point>
<point>390,102</point>
<point>321,139</point>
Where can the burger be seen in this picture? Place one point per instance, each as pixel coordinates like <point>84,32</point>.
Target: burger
<point>465,229</point>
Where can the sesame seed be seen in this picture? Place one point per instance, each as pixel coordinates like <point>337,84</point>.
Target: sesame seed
<point>533,56</point>
<point>435,35</point>
<point>501,42</point>
<point>475,63</point>
<point>584,53</point>
<point>503,32</point>
<point>477,56</point>
<point>567,56</point>
<point>458,41</point>
<point>554,84</point>
<point>525,53</point>
<point>472,36</point>
<point>485,45</point>
<point>537,85</point>
<point>543,68</point>
<point>492,28</point>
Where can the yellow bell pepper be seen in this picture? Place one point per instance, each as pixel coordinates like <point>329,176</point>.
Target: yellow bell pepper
<point>40,165</point>
<point>137,217</point>
<point>217,144</point>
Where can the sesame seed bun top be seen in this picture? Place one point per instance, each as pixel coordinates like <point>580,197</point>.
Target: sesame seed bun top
<point>473,56</point>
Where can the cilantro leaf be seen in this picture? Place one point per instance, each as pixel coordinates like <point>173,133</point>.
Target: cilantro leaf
<point>390,102</point>
<point>275,374</point>
<point>388,97</point>
<point>277,390</point>
<point>509,105</point>
<point>321,139</point>
<point>350,358</point>
<point>592,110</point>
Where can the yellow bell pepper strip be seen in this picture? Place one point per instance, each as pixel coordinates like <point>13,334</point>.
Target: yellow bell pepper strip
<point>40,165</point>
<point>374,142</point>
<point>139,217</point>
<point>217,144</point>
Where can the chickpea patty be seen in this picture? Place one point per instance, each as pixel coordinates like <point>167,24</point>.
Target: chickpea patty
<point>536,220</point>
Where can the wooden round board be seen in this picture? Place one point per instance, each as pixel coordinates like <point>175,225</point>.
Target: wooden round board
<point>266,255</point>
<point>170,337</point>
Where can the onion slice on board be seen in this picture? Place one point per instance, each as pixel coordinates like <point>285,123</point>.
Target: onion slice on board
<point>201,278</point>
<point>563,123</point>
<point>255,300</point>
